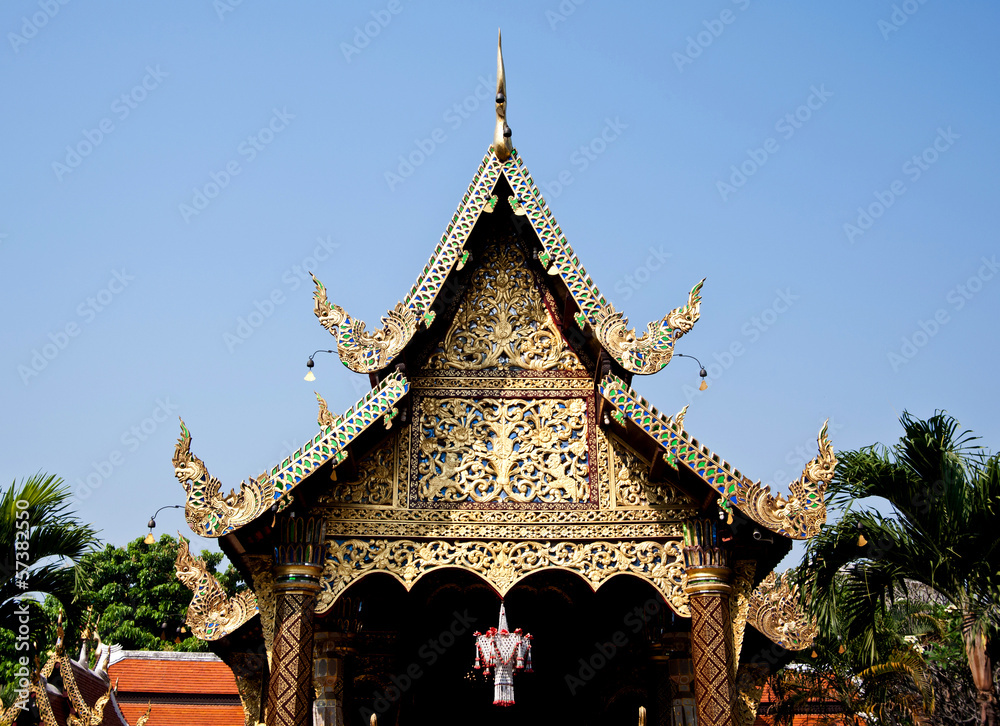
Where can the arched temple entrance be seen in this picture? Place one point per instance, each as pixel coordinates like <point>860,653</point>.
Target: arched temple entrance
<point>598,655</point>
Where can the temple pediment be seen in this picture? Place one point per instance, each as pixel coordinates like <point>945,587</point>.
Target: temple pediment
<point>503,321</point>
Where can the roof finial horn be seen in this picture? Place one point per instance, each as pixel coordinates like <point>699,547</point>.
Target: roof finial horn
<point>502,145</point>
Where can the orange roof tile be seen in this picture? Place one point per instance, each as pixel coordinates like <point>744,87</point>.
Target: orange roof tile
<point>135,675</point>
<point>174,714</point>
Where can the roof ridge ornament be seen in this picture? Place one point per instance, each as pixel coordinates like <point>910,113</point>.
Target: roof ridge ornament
<point>502,144</point>
<point>212,614</point>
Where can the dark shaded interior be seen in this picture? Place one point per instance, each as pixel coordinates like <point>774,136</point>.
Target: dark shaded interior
<point>597,656</point>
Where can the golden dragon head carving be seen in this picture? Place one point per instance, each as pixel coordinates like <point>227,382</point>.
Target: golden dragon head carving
<point>651,351</point>
<point>360,350</point>
<point>804,512</point>
<point>209,513</point>
<point>212,614</point>
<point>776,611</point>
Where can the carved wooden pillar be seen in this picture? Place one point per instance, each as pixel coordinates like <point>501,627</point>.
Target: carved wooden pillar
<point>329,678</point>
<point>328,709</point>
<point>298,566</point>
<point>706,559</point>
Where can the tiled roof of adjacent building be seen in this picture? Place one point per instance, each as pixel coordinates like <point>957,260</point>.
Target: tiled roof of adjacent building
<point>194,689</point>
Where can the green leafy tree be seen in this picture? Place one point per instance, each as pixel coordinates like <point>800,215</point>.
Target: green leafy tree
<point>939,542</point>
<point>138,598</point>
<point>894,687</point>
<point>43,543</point>
<point>937,632</point>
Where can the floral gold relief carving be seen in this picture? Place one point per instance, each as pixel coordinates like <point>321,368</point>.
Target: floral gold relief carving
<point>632,485</point>
<point>503,564</point>
<point>503,450</point>
<point>374,482</point>
<point>503,323</point>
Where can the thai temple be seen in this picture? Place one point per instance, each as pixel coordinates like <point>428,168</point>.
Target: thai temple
<point>502,497</point>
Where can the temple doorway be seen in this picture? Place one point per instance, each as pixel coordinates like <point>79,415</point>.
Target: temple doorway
<point>597,657</point>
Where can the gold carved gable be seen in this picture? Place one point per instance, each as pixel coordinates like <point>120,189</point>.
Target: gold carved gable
<point>502,321</point>
<point>631,483</point>
<point>502,451</point>
<point>375,481</point>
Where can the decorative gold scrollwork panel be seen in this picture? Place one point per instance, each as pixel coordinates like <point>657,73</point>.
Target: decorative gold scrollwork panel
<point>501,452</point>
<point>503,564</point>
<point>632,485</point>
<point>503,322</point>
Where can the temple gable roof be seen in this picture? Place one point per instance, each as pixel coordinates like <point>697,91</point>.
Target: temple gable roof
<point>497,187</point>
<point>503,255</point>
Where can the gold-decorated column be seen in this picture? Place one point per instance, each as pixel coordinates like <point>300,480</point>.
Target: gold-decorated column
<point>298,566</point>
<point>706,560</point>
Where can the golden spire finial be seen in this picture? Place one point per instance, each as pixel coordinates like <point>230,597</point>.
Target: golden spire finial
<point>502,145</point>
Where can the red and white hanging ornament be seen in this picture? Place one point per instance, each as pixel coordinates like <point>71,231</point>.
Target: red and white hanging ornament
<point>505,652</point>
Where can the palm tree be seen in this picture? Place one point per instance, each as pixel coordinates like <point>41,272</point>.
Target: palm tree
<point>42,542</point>
<point>939,540</point>
<point>838,678</point>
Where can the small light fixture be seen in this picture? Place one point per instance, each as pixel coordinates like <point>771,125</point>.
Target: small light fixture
<point>861,537</point>
<point>703,373</point>
<point>310,376</point>
<point>150,539</point>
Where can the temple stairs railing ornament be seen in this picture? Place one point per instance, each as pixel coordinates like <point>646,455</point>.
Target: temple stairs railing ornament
<point>707,562</point>
<point>298,565</point>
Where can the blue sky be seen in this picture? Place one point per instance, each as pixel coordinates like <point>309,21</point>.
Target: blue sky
<point>830,168</point>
